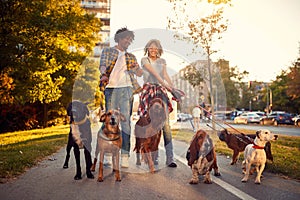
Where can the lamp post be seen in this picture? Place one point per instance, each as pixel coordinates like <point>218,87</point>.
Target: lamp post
<point>250,105</point>
<point>269,104</point>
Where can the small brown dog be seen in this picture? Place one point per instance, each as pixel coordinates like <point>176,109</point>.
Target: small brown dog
<point>148,133</point>
<point>110,141</point>
<point>202,157</point>
<point>238,143</point>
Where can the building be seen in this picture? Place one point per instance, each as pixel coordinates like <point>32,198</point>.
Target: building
<point>193,95</point>
<point>101,8</point>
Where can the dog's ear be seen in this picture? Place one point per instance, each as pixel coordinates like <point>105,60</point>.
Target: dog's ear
<point>103,117</point>
<point>86,110</point>
<point>69,109</point>
<point>122,117</point>
<point>257,133</point>
<point>194,149</point>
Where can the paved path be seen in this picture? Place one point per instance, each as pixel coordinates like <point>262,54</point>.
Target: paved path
<point>48,180</point>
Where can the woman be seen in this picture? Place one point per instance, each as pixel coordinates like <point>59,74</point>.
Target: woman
<point>155,74</point>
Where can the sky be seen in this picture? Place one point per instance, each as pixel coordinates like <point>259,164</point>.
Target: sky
<point>263,36</point>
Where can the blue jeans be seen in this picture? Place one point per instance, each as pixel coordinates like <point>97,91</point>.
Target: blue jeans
<point>121,98</point>
<point>167,134</point>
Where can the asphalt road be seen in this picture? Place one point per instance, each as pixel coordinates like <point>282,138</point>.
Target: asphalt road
<point>49,180</point>
<point>290,130</point>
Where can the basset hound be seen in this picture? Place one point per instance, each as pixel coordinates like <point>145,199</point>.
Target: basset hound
<point>201,157</point>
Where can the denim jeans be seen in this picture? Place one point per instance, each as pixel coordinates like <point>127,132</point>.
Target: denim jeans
<point>167,134</point>
<point>121,98</point>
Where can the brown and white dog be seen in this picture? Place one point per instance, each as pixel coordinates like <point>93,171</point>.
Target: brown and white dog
<point>202,158</point>
<point>110,141</point>
<point>238,143</point>
<point>255,155</point>
<point>148,132</point>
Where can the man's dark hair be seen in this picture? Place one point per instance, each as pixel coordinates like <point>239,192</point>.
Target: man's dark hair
<point>122,33</point>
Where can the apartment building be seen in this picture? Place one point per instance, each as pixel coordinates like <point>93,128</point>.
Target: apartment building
<point>101,8</point>
<point>193,95</point>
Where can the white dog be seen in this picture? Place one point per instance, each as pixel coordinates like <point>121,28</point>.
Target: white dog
<point>254,154</point>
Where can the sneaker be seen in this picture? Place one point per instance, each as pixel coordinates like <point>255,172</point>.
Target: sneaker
<point>107,160</point>
<point>172,164</point>
<point>124,161</point>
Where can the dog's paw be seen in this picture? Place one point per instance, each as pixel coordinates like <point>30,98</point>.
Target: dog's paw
<point>77,177</point>
<point>118,179</point>
<point>257,183</point>
<point>193,181</point>
<point>100,179</point>
<point>244,180</point>
<point>93,167</point>
<point>207,181</point>
<point>90,175</point>
<point>217,174</point>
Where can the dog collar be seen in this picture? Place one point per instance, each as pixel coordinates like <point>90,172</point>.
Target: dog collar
<point>102,136</point>
<point>257,147</point>
<point>80,122</point>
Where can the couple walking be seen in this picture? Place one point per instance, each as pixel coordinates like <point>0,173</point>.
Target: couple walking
<point>118,81</point>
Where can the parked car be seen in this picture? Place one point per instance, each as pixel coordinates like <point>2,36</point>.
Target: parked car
<point>182,117</point>
<point>296,120</point>
<point>220,116</point>
<point>261,114</point>
<point>276,118</point>
<point>234,114</point>
<point>248,117</point>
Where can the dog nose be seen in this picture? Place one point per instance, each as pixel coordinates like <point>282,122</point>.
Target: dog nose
<point>276,136</point>
<point>112,120</point>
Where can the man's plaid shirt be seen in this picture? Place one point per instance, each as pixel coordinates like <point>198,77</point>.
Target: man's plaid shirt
<point>108,59</point>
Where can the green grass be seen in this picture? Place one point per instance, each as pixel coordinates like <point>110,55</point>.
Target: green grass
<point>24,149</point>
<point>285,151</point>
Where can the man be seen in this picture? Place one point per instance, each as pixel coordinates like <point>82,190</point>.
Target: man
<point>118,69</point>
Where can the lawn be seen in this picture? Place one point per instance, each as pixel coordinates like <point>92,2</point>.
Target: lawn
<point>24,149</point>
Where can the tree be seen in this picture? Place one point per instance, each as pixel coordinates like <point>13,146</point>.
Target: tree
<point>231,78</point>
<point>293,81</point>
<point>42,45</point>
<point>285,90</point>
<point>202,31</point>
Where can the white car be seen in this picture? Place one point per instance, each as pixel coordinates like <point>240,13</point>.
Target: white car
<point>248,117</point>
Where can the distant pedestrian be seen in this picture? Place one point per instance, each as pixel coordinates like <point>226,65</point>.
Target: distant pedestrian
<point>196,112</point>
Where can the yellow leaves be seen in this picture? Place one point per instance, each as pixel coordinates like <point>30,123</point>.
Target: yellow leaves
<point>46,88</point>
<point>217,2</point>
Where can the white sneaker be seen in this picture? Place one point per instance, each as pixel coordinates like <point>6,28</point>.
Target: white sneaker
<point>107,160</point>
<point>124,161</point>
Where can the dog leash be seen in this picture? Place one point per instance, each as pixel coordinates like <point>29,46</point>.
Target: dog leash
<point>223,122</point>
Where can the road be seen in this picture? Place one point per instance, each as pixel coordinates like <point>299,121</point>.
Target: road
<point>290,130</point>
<point>284,130</point>
<point>49,180</point>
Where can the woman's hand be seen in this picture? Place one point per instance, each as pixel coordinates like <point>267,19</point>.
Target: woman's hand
<point>103,79</point>
<point>168,87</point>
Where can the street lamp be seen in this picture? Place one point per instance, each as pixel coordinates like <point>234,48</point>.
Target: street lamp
<point>269,105</point>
